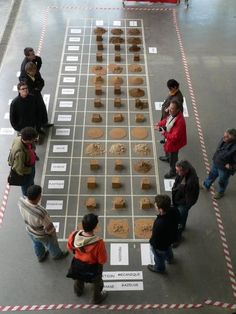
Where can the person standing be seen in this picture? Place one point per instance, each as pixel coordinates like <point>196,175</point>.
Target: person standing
<point>39,225</point>
<point>185,191</point>
<point>89,256</point>
<point>22,156</point>
<point>173,129</point>
<point>29,57</point>
<point>163,234</point>
<point>24,109</point>
<point>174,94</point>
<point>224,163</point>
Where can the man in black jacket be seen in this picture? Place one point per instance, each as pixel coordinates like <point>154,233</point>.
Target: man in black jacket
<point>163,234</point>
<point>24,109</point>
<point>174,94</point>
<point>224,163</point>
<point>29,57</point>
<point>185,190</point>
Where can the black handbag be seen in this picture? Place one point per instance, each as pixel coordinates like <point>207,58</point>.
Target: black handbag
<point>16,179</point>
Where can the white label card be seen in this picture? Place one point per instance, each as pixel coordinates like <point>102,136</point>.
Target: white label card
<point>68,91</point>
<point>56,184</point>
<point>58,167</point>
<point>146,254</point>
<point>75,30</point>
<point>70,68</point>
<point>122,275</point>
<point>63,132</point>
<point>133,23</point>
<point>46,99</point>
<point>73,48</point>
<point>119,254</point>
<point>185,108</point>
<point>168,183</point>
<point>64,117</point>
<point>69,79</point>
<point>54,204</point>
<point>6,131</point>
<point>64,104</point>
<point>122,286</point>
<point>99,23</point>
<point>152,50</point>
<point>60,148</point>
<point>117,23</point>
<point>72,58</point>
<point>74,39</point>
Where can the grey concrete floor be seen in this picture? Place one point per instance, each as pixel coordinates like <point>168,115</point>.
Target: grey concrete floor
<point>207,31</point>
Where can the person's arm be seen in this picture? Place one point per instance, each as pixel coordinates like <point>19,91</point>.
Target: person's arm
<point>102,253</point>
<point>48,225</point>
<point>19,164</point>
<point>14,117</point>
<point>38,62</point>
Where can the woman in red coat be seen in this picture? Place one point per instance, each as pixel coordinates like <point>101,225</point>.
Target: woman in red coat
<point>173,129</point>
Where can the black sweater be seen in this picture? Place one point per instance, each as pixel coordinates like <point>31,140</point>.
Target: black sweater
<point>226,154</point>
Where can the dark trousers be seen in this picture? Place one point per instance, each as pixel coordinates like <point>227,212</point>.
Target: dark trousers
<point>173,158</point>
<point>97,283</point>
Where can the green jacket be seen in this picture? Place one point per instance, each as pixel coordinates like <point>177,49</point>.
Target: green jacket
<point>19,158</point>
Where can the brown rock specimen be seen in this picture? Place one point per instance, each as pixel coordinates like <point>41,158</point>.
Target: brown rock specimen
<point>117,149</point>
<point>119,165</point>
<point>135,68</point>
<point>142,149</point>
<point>94,149</point>
<point>139,133</point>
<point>98,90</point>
<point>98,103</point>
<point>134,48</point>
<point>94,132</point>
<point>136,57</point>
<point>141,104</point>
<point>99,38</point>
<point>145,184</point>
<point>117,133</point>
<point>139,118</point>
<point>117,47</point>
<point>117,80</point>
<point>115,182</point>
<point>99,31</point>
<point>98,80</point>
<point>99,70</point>
<point>96,117</point>
<point>118,203</point>
<point>94,165</point>
<point>118,117</point>
<point>117,57</point>
<point>136,92</point>
<point>117,102</point>
<point>114,68</point>
<point>134,31</point>
<point>100,46</point>
<point>117,31</point>
<point>145,203</point>
<point>117,89</point>
<point>99,57</point>
<point>134,41</point>
<point>91,183</point>
<point>116,40</point>
<point>142,166</point>
<point>90,203</point>
<point>118,228</point>
<point>136,80</point>
<point>143,228</point>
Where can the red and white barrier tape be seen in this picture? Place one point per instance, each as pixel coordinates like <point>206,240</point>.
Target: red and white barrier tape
<point>4,203</point>
<point>223,305</point>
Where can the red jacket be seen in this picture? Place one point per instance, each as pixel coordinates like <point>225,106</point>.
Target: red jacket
<point>91,253</point>
<point>176,138</point>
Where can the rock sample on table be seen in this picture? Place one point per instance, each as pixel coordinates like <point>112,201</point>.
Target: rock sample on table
<point>117,47</point>
<point>117,149</point>
<point>141,104</point>
<point>115,182</point>
<point>94,132</point>
<point>91,183</point>
<point>94,164</point>
<point>134,40</point>
<point>99,38</point>
<point>143,228</point>
<point>142,149</point>
<point>116,40</point>
<point>100,46</point>
<point>135,68</point>
<point>136,57</point>
<point>99,57</point>
<point>136,80</point>
<point>115,68</point>
<point>145,184</point>
<point>118,228</point>
<point>134,48</point>
<point>117,80</point>
<point>117,31</point>
<point>96,117</point>
<point>98,103</point>
<point>139,118</point>
<point>94,149</point>
<point>119,165</point>
<point>99,70</point>
<point>98,90</point>
<point>117,102</point>
<point>139,133</point>
<point>118,117</point>
<point>142,166</point>
<point>117,89</point>
<point>117,57</point>
<point>118,203</point>
<point>133,31</point>
<point>98,80</point>
<point>145,203</point>
<point>136,92</point>
<point>117,133</point>
<point>90,203</point>
<point>99,31</point>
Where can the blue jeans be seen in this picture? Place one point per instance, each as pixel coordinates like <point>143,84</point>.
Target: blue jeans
<point>183,209</point>
<point>30,181</point>
<point>214,174</point>
<point>48,242</point>
<point>160,257</point>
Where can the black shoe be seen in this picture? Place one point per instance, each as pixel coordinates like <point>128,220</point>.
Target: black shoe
<point>102,297</point>
<point>169,175</point>
<point>164,158</point>
<point>43,258</point>
<point>153,269</point>
<point>48,125</point>
<point>62,255</point>
<point>78,290</point>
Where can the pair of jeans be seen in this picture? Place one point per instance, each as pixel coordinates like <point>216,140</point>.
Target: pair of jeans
<point>214,174</point>
<point>173,158</point>
<point>160,257</point>
<point>183,209</point>
<point>48,242</point>
<point>30,181</point>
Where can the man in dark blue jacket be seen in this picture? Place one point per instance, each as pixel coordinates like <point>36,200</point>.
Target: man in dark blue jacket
<point>224,163</point>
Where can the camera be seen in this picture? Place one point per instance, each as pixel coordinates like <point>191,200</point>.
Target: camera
<point>162,141</point>
<point>161,129</point>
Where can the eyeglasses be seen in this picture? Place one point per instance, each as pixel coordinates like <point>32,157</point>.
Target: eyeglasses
<point>24,88</point>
